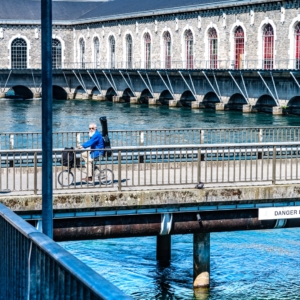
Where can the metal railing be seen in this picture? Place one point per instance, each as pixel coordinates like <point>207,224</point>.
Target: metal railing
<point>220,64</point>
<point>154,166</point>
<point>35,267</point>
<point>124,138</point>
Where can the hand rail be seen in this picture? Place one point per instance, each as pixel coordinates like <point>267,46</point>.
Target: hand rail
<point>148,166</point>
<point>30,140</point>
<point>39,266</point>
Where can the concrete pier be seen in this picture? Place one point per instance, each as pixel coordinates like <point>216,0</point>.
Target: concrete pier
<point>87,96</point>
<point>37,95</point>
<point>247,108</point>
<point>163,248</point>
<point>71,96</point>
<point>134,100</point>
<point>173,103</point>
<point>276,110</point>
<point>220,106</point>
<point>152,101</point>
<point>201,260</point>
<point>116,99</point>
<point>195,105</point>
<point>2,95</point>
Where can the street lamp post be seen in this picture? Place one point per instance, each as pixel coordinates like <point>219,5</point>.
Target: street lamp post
<point>47,181</point>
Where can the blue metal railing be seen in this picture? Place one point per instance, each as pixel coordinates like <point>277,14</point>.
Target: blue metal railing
<point>32,266</point>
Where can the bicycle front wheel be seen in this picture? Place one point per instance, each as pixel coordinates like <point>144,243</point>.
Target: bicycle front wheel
<point>106,177</point>
<point>65,178</point>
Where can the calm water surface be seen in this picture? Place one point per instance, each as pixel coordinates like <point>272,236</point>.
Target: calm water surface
<point>244,265</point>
<point>20,115</point>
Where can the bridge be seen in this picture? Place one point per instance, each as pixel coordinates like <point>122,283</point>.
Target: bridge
<point>153,192</point>
<point>248,90</point>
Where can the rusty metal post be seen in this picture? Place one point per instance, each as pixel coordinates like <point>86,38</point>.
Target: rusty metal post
<point>201,260</point>
<point>163,248</point>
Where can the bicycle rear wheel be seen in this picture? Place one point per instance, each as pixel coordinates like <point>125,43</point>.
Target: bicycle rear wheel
<point>106,177</point>
<point>65,178</point>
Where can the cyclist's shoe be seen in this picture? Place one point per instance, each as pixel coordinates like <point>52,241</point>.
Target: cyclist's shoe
<point>87,179</point>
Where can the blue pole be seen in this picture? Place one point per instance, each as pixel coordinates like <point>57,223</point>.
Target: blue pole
<point>47,192</point>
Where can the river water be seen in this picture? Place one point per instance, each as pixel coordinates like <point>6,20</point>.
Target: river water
<point>244,265</point>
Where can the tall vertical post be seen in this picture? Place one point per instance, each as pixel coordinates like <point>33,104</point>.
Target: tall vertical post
<point>163,248</point>
<point>47,193</point>
<point>201,260</point>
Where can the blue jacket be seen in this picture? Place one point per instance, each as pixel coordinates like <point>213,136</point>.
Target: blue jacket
<point>95,142</point>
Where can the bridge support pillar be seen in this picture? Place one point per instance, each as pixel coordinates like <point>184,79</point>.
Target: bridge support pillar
<point>276,110</point>
<point>2,95</point>
<point>173,103</point>
<point>152,101</point>
<point>220,106</point>
<point>70,96</point>
<point>100,98</point>
<point>163,247</point>
<point>201,260</point>
<point>247,108</point>
<point>87,96</point>
<point>134,100</point>
<point>37,95</point>
<point>195,104</point>
<point>116,99</point>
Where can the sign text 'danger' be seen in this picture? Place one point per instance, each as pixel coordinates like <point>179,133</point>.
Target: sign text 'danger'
<point>273,213</point>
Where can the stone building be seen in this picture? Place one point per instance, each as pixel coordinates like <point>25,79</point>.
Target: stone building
<point>154,34</point>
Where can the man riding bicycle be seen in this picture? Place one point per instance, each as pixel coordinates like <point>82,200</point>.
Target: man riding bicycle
<point>95,142</point>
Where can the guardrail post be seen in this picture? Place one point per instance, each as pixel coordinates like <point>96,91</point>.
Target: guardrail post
<point>77,139</point>
<point>274,166</point>
<point>142,135</point>
<point>35,173</point>
<point>142,141</point>
<point>11,141</point>
<point>199,165</point>
<point>260,136</point>
<point>201,136</point>
<point>119,171</point>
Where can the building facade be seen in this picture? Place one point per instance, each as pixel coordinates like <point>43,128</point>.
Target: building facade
<point>264,35</point>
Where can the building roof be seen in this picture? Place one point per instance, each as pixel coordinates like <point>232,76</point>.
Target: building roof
<point>65,11</point>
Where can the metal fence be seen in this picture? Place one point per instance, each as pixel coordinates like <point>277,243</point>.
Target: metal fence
<point>154,166</point>
<point>35,267</point>
<point>177,136</point>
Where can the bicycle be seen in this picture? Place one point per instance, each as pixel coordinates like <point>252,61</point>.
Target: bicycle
<point>105,176</point>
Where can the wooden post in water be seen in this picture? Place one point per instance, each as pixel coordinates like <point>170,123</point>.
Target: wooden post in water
<point>201,260</point>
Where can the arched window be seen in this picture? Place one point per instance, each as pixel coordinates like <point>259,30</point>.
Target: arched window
<point>167,49</point>
<point>297,45</point>
<point>213,48</point>
<point>147,41</point>
<point>112,52</point>
<point>81,53</point>
<point>18,54</point>
<point>268,47</point>
<point>96,53</point>
<point>239,47</point>
<point>128,51</point>
<point>56,54</point>
<point>189,49</point>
